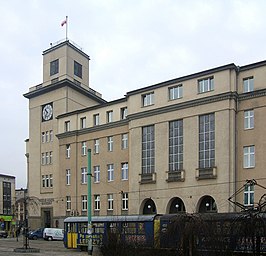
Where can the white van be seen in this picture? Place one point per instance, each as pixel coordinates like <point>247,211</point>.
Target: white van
<point>53,234</point>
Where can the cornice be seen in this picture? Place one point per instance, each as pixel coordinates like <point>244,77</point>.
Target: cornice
<point>92,129</point>
<point>250,95</point>
<point>183,105</point>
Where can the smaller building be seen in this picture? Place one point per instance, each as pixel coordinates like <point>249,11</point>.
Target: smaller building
<point>20,206</point>
<point>7,202</point>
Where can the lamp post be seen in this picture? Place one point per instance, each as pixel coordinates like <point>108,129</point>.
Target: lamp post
<point>89,204</point>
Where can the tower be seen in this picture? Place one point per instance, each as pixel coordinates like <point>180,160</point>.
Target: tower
<point>65,88</point>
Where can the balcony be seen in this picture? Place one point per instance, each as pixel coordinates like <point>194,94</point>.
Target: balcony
<point>174,176</point>
<point>206,173</point>
<point>146,178</point>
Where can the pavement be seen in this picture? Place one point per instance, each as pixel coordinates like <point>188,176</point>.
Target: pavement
<point>7,246</point>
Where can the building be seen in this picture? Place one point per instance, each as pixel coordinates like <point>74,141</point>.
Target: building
<point>7,202</point>
<point>21,198</point>
<point>187,144</point>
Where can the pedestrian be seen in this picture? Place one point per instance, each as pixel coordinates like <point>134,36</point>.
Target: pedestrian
<point>17,233</point>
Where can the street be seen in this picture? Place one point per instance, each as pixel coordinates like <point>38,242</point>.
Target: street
<point>7,246</point>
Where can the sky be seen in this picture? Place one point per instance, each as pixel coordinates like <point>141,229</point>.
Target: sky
<point>131,43</point>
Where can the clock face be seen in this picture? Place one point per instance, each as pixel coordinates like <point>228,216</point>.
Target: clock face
<point>47,112</point>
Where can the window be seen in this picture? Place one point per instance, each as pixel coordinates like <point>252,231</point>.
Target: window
<point>249,195</point>
<point>84,205</point>
<point>124,113</point>
<point>68,203</point>
<point>83,122</point>
<point>110,143</point>
<point>109,116</point>
<point>249,157</point>
<point>148,99</point>
<point>96,170</point>
<point>124,201</point>
<point>97,202</point>
<point>47,181</point>
<point>110,201</point>
<point>43,181</point>
<point>68,151</point>
<point>96,119</point>
<point>51,157</point>
<point>51,135</point>
<point>248,84</point>
<point>47,136</point>
<point>51,180</point>
<point>43,137</point>
<point>124,141</point>
<point>67,126</point>
<point>83,148</point>
<point>110,172</point>
<point>54,67</point>
<point>206,141</point>
<point>43,158</point>
<point>96,146</point>
<point>77,69</point>
<point>84,175</point>
<point>176,145</point>
<point>249,119</point>
<point>206,85</point>
<point>124,169</point>
<point>68,174</point>
<point>148,150</point>
<point>176,92</point>
<point>47,157</point>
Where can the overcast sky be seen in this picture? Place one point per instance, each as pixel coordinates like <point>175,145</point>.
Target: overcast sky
<point>132,44</point>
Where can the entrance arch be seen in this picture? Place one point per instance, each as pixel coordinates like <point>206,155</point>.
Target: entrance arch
<point>176,205</point>
<point>207,204</point>
<point>149,207</point>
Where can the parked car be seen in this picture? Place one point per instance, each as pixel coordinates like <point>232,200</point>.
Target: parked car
<point>53,234</point>
<point>3,233</point>
<point>38,233</point>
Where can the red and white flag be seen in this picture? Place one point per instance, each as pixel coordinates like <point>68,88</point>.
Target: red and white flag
<point>64,22</point>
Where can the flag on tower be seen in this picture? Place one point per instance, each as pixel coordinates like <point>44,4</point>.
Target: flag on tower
<point>64,22</point>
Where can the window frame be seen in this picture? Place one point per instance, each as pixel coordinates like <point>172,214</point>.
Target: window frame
<point>82,122</point>
<point>206,84</point>
<point>124,171</point>
<point>124,196</point>
<point>249,195</point>
<point>110,202</point>
<point>249,119</point>
<point>175,92</point>
<point>248,84</point>
<point>124,141</point>
<point>110,143</point>
<point>83,148</point>
<point>68,150</point>
<point>77,69</point>
<point>54,67</point>
<point>96,172</point>
<point>97,202</point>
<point>109,116</point>
<point>84,175</point>
<point>123,112</point>
<point>148,150</point>
<point>68,177</point>
<point>147,99</point>
<point>110,172</point>
<point>96,119</point>
<point>96,146</point>
<point>249,157</point>
<point>84,203</point>
<point>67,126</point>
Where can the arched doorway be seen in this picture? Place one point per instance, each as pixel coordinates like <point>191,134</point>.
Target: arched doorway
<point>207,204</point>
<point>176,205</point>
<point>149,207</point>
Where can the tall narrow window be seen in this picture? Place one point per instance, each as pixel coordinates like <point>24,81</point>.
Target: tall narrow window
<point>109,116</point>
<point>124,141</point>
<point>43,137</point>
<point>124,113</point>
<point>110,201</point>
<point>148,99</point>
<point>68,174</point>
<point>124,201</point>
<point>84,175</point>
<point>84,203</point>
<point>47,158</point>
<point>83,148</point>
<point>97,203</point>
<point>96,170</point>
<point>43,158</point>
<point>148,149</point>
<point>47,136</point>
<point>249,157</point>
<point>206,85</point>
<point>110,172</point>
<point>54,67</point>
<point>77,69</point>
<point>96,146</point>
<point>249,195</point>
<point>68,151</point>
<point>96,119</point>
<point>110,143</point>
<point>248,84</point>
<point>176,92</point>
<point>67,126</point>
<point>82,122</point>
<point>68,203</point>
<point>207,141</point>
<point>51,157</point>
<point>249,119</point>
<point>51,180</point>
<point>176,145</point>
<point>124,171</point>
<point>51,135</point>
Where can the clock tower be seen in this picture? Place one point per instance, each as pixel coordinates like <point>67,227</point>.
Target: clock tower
<point>65,88</point>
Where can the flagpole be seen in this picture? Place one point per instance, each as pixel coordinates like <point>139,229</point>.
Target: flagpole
<point>66,26</point>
